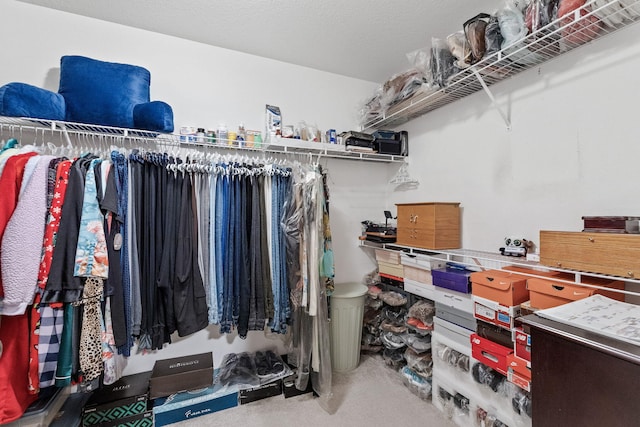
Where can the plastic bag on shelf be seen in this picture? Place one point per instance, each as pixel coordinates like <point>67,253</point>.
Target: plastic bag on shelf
<point>540,13</point>
<point>401,86</point>
<point>492,36</point>
<point>514,32</point>
<point>474,31</point>
<point>420,59</point>
<point>371,108</point>
<point>442,63</point>
<point>460,48</point>
<point>576,31</point>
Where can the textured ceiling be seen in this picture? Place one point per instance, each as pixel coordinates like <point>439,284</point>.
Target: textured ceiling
<point>365,39</point>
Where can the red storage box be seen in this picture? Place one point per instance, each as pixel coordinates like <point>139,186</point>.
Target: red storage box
<point>504,287</point>
<point>491,354</point>
<point>522,345</point>
<point>518,372</point>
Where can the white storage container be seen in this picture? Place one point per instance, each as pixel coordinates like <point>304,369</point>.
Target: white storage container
<point>347,311</point>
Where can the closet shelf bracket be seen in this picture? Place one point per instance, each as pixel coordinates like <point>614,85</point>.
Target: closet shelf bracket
<point>504,116</point>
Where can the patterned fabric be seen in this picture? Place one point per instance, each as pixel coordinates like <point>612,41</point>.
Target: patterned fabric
<point>91,252</point>
<point>111,373</point>
<point>90,337</point>
<point>45,332</point>
<point>50,330</point>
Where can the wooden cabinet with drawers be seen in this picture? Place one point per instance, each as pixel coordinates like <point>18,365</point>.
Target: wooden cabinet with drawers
<point>604,253</point>
<point>432,225</point>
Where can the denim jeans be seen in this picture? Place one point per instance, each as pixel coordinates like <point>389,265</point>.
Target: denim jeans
<point>213,288</point>
<point>222,200</point>
<point>243,286</point>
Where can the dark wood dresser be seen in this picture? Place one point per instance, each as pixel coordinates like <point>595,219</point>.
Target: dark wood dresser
<point>582,379</point>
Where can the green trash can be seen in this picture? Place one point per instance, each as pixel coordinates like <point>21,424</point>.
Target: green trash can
<point>347,311</point>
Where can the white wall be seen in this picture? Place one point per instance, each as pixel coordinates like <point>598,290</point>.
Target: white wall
<point>205,86</point>
<point>573,149</point>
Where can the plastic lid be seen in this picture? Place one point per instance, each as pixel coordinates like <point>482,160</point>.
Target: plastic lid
<point>349,290</point>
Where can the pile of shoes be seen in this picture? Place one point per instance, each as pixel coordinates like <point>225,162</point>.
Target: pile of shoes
<point>419,322</point>
<point>371,323</point>
<point>393,329</point>
<point>246,370</point>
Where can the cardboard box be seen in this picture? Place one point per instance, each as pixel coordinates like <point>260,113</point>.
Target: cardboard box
<point>453,332</point>
<point>492,312</point>
<point>456,279</point>
<point>390,257</point>
<point>522,345</point>
<point>124,398</point>
<point>418,275</point>
<point>193,404</point>
<point>271,389</point>
<point>424,262</point>
<point>391,280</point>
<point>457,300</point>
<point>506,288</point>
<point>518,372</point>
<point>455,316</point>
<point>391,269</point>
<point>144,419</point>
<point>289,387</point>
<point>171,376</point>
<point>421,289</point>
<point>549,293</point>
<point>491,354</point>
<point>495,333</point>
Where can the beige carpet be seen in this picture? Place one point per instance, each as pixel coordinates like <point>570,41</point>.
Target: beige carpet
<point>371,395</point>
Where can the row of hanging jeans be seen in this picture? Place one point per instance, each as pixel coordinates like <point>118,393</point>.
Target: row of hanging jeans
<point>206,246</point>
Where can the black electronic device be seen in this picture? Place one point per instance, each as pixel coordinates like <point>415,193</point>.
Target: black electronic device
<point>390,142</point>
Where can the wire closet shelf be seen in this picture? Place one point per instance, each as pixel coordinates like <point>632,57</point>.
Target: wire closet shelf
<point>40,130</point>
<point>594,20</point>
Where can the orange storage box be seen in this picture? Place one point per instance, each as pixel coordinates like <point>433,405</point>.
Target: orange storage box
<point>504,287</point>
<point>549,293</point>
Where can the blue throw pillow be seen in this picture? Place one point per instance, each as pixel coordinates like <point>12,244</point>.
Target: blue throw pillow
<point>24,100</point>
<point>103,93</point>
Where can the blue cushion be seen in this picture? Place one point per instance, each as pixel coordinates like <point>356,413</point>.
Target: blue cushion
<point>102,93</point>
<point>23,100</point>
<point>154,115</point>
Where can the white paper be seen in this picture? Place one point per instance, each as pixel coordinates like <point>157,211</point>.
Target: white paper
<point>599,314</point>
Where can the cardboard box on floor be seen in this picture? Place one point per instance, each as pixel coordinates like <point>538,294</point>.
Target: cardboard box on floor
<point>192,404</point>
<point>124,398</point>
<point>179,374</point>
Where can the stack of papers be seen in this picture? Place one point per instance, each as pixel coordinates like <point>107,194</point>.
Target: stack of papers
<point>599,314</point>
